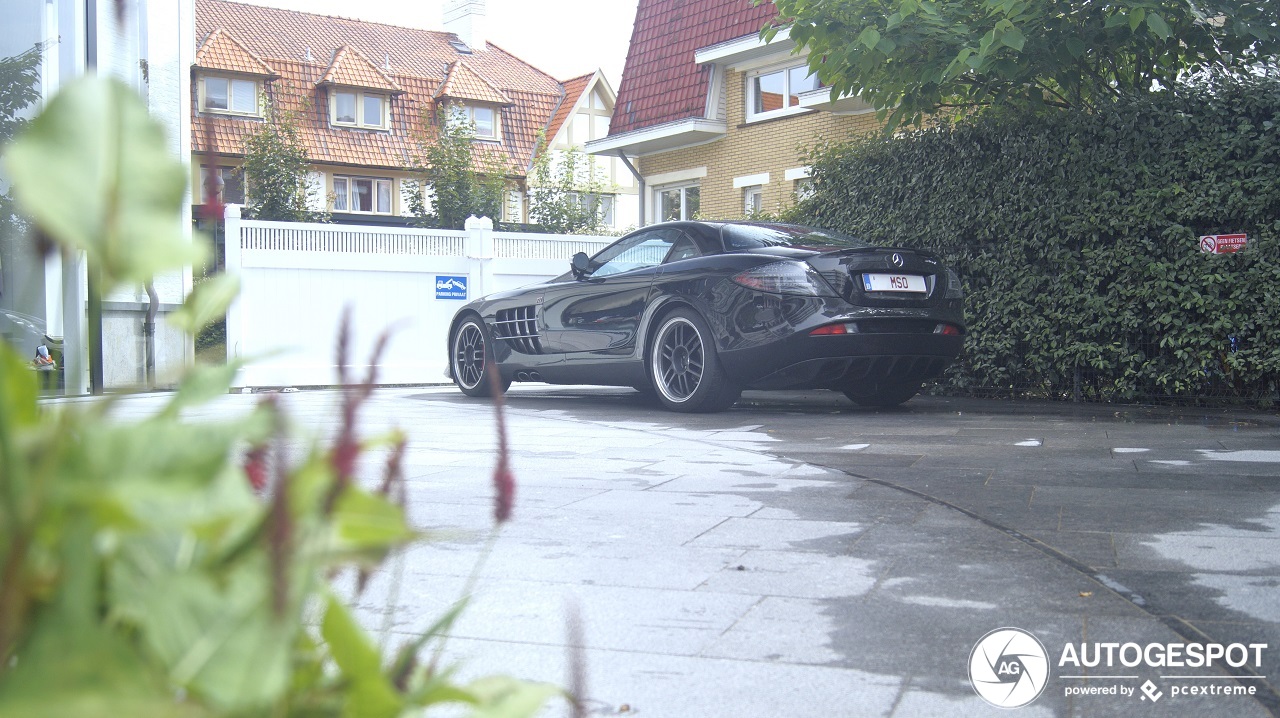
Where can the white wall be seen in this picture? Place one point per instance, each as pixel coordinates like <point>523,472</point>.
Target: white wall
<point>160,36</point>
<point>297,279</point>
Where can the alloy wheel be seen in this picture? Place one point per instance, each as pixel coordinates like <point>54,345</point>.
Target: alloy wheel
<point>469,356</point>
<point>679,359</point>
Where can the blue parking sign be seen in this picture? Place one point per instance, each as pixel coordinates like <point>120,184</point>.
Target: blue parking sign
<point>451,287</point>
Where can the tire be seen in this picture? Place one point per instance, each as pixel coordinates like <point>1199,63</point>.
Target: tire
<point>884,396</point>
<point>685,368</point>
<point>470,354</point>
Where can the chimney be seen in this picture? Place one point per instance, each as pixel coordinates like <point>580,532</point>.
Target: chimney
<point>465,18</point>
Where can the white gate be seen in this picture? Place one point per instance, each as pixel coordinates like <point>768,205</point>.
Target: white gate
<point>296,280</point>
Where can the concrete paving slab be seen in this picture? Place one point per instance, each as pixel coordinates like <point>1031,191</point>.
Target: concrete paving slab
<point>791,534</point>
<point>795,575</point>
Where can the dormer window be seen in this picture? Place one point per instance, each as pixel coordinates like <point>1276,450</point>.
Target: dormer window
<point>357,108</point>
<point>229,95</point>
<point>484,118</point>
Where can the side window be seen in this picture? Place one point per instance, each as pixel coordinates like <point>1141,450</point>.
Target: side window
<point>684,249</point>
<point>640,251</point>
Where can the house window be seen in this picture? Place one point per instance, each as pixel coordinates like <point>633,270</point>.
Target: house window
<point>776,92</point>
<point>229,95</point>
<point>362,194</point>
<point>229,190</point>
<point>804,188</point>
<point>602,204</point>
<point>355,108</point>
<point>485,120</point>
<point>676,203</point>
<point>753,199</point>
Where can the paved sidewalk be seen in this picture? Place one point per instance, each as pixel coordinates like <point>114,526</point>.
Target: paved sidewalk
<point>712,577</point>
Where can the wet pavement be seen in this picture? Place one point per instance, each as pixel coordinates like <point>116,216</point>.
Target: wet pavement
<point>799,556</point>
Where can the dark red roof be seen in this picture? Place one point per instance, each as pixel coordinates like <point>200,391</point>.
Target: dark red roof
<point>661,82</point>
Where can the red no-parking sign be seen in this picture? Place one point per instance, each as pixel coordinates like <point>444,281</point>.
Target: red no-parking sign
<point>1223,243</point>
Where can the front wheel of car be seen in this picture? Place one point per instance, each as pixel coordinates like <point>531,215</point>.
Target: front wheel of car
<point>685,367</point>
<point>884,396</point>
<point>470,356</point>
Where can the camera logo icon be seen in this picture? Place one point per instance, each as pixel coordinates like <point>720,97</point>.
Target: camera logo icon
<point>1009,668</point>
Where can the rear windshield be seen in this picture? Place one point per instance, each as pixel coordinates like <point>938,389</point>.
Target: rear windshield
<point>755,236</point>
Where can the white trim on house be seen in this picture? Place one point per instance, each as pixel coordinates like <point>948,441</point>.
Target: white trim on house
<point>688,132</point>
<point>820,99</point>
<point>796,173</point>
<point>677,176</point>
<point>749,180</point>
<point>744,49</point>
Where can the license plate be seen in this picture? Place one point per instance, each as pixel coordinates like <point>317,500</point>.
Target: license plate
<point>894,283</point>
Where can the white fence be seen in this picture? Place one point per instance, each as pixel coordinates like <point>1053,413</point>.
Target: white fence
<point>296,280</point>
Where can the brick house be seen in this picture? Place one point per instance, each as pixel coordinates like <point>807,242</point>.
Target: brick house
<point>366,92</point>
<point>716,118</point>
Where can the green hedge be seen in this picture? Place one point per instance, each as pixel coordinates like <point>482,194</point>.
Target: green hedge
<point>1077,237</point>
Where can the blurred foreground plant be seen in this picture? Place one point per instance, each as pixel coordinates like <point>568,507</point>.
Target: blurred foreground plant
<point>140,575</point>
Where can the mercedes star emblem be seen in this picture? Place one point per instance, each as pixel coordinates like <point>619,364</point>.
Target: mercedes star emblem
<point>896,259</point>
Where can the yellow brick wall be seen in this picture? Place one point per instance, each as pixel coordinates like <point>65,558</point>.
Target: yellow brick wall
<point>772,146</point>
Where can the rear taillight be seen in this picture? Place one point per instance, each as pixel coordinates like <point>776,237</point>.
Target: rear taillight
<point>832,330</point>
<point>785,277</point>
<point>950,330</point>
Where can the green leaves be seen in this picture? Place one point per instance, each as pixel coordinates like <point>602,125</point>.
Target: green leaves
<point>208,301</point>
<point>1076,234</point>
<point>869,38</point>
<point>910,59</point>
<point>95,172</point>
<point>1159,26</point>
<point>275,170</point>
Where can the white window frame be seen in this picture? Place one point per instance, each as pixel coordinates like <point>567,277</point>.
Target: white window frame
<point>344,201</point>
<point>607,202</point>
<point>753,198</point>
<point>231,81</point>
<point>468,113</point>
<point>223,171</point>
<point>787,109</point>
<point>362,122</point>
<point>683,188</point>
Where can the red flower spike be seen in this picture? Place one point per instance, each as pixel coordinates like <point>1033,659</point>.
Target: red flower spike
<point>504,482</point>
<point>213,208</point>
<point>255,467</point>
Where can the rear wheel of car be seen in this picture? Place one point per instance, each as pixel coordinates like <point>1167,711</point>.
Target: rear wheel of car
<point>885,395</point>
<point>685,367</point>
<point>469,357</point>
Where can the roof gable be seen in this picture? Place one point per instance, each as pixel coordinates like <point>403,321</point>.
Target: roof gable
<point>573,92</point>
<point>350,67</point>
<point>221,51</point>
<point>661,82</point>
<point>463,83</point>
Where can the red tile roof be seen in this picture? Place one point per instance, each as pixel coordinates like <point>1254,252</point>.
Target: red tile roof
<point>298,47</point>
<point>660,81</point>
<point>220,51</point>
<point>573,89</point>
<point>463,83</point>
<point>351,68</point>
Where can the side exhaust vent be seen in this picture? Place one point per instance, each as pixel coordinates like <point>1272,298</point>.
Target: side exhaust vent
<point>519,327</point>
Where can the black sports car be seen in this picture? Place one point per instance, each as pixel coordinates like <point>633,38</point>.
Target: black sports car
<point>694,312</point>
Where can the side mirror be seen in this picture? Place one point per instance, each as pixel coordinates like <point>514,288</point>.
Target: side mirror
<point>581,265</point>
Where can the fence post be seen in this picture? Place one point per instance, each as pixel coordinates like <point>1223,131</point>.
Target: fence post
<point>233,265</point>
<point>479,248</point>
